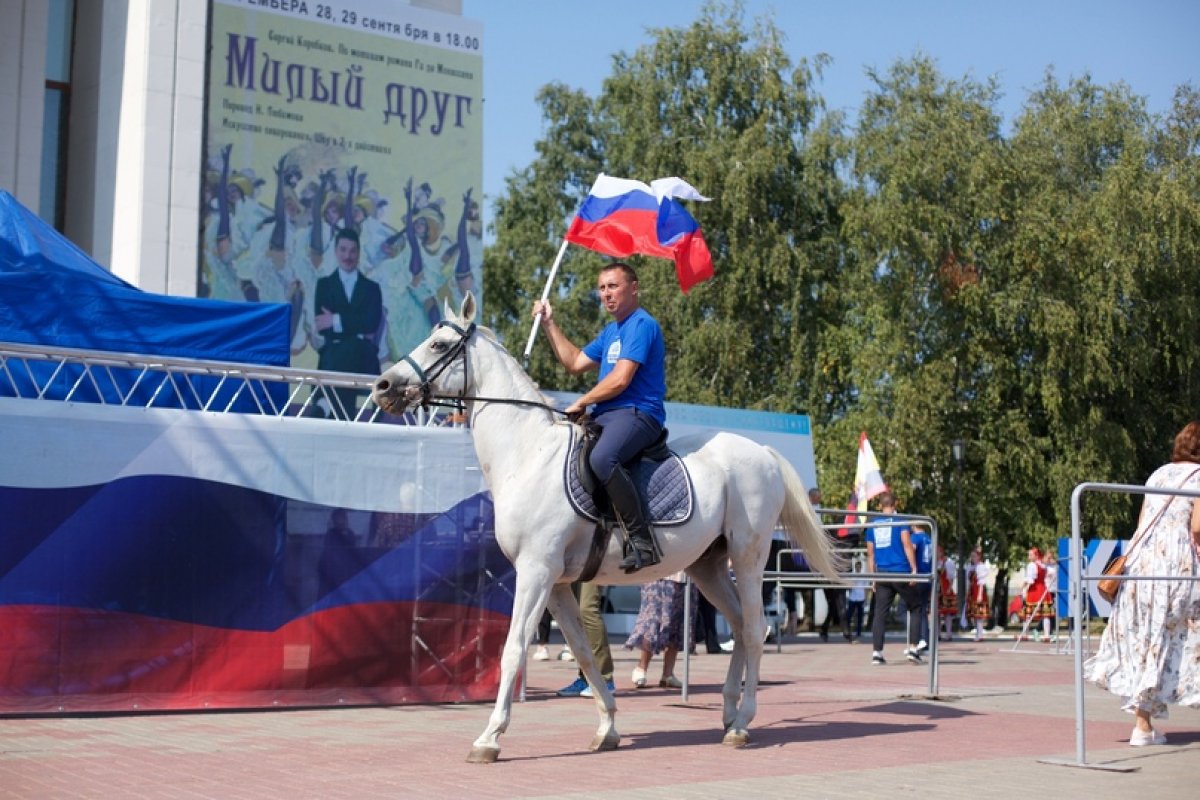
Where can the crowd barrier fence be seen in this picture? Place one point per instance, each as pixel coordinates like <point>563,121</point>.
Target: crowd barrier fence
<point>1078,605</point>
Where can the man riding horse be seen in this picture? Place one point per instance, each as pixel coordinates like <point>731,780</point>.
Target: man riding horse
<point>744,491</point>
<point>628,397</point>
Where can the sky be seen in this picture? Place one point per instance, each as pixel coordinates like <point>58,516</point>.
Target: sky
<point>1151,45</point>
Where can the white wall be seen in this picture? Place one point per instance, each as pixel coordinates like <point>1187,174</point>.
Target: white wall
<point>158,147</point>
<point>22,96</point>
<point>133,187</point>
<point>97,76</point>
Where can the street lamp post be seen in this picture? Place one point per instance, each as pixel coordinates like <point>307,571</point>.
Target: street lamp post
<point>959,449</point>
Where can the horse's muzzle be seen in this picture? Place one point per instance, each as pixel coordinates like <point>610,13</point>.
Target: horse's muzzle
<point>396,399</point>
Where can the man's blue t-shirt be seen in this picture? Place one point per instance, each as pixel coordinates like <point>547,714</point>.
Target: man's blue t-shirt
<point>637,338</point>
<point>924,547</point>
<point>889,546</point>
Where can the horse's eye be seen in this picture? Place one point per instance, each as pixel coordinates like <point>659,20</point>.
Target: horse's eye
<point>439,346</point>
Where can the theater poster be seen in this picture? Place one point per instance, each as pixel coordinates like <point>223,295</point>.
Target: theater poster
<point>350,115</point>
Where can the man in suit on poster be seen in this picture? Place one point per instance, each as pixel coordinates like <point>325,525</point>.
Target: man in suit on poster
<point>349,316</point>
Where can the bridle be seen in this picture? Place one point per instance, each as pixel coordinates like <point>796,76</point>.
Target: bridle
<point>428,398</point>
<point>458,401</point>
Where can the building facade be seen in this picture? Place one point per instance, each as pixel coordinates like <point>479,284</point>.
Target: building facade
<point>105,127</point>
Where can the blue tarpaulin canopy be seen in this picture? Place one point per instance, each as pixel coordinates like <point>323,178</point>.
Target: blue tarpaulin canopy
<point>52,293</point>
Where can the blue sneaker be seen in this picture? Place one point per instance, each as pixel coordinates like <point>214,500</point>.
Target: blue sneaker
<point>575,689</point>
<point>587,690</point>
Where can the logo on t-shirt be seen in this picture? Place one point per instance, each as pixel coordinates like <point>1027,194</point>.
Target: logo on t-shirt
<point>883,536</point>
<point>614,352</point>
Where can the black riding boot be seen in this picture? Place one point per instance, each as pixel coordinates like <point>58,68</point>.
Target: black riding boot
<point>628,506</point>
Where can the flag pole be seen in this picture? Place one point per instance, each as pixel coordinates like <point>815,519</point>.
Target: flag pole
<point>545,294</point>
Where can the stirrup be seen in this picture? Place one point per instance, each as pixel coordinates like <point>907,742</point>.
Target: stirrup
<point>639,559</point>
<point>639,555</point>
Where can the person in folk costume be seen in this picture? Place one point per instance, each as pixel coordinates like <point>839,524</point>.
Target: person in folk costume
<point>411,276</point>
<point>1035,600</point>
<point>427,243</point>
<point>1050,606</point>
<point>268,267</point>
<point>371,229</point>
<point>218,277</point>
<point>947,571</point>
<point>463,260</point>
<point>327,208</point>
<point>358,212</point>
<point>432,253</point>
<point>238,216</point>
<point>246,215</point>
<point>978,606</point>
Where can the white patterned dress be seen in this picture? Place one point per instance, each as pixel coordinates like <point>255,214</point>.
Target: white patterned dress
<point>1150,652</point>
<point>659,623</point>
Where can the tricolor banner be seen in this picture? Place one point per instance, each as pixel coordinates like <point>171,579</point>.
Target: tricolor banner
<point>621,217</point>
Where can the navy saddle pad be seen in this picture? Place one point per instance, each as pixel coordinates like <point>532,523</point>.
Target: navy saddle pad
<point>665,487</point>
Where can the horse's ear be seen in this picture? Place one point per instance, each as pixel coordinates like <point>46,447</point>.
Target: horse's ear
<point>467,313</point>
<point>447,311</point>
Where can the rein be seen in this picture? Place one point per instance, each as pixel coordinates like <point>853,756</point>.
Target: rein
<point>458,401</point>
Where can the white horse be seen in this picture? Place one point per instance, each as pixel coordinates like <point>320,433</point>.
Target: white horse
<point>743,490</point>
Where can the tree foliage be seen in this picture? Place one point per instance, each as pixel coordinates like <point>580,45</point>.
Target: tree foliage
<point>923,276</point>
<point>721,106</point>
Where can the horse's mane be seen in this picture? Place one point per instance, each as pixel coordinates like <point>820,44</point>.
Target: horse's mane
<point>490,335</point>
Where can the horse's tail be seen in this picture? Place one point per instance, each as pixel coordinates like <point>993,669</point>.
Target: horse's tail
<point>803,527</point>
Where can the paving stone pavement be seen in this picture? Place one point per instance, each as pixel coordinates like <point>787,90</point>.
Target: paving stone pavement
<point>829,725</point>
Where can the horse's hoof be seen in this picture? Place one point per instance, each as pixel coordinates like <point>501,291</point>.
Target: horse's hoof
<point>736,738</point>
<point>483,755</point>
<point>602,744</point>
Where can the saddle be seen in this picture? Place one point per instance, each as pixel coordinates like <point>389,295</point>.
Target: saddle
<point>661,479</point>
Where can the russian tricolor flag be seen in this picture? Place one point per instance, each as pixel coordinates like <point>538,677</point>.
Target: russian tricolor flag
<point>621,217</point>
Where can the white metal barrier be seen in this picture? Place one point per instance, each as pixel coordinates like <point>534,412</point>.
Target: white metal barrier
<point>806,580</point>
<point>1078,603</point>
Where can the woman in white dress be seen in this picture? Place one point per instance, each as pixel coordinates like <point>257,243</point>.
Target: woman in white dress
<point>1150,652</point>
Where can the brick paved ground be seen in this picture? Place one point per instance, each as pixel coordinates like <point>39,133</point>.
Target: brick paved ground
<point>829,725</point>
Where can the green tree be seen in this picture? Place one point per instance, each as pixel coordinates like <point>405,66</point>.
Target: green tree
<point>925,162</point>
<point>923,277</point>
<point>720,105</point>
<point>1023,294</point>
<point>1096,293</point>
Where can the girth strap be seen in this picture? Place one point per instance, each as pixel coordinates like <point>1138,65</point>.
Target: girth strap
<point>596,553</point>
